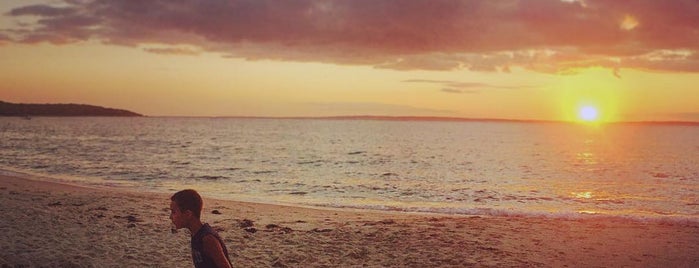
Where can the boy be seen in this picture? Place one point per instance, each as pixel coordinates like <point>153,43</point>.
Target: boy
<point>208,250</point>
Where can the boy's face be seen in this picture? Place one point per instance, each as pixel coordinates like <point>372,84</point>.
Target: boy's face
<point>180,218</point>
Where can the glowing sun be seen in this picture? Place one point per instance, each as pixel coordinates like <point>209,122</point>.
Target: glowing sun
<point>588,114</point>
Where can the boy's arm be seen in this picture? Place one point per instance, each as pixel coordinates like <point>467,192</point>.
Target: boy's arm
<point>213,248</point>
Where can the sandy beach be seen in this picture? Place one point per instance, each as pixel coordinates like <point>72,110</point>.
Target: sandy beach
<point>57,225</point>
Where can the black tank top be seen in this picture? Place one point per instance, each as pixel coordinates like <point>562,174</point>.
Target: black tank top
<point>199,257</point>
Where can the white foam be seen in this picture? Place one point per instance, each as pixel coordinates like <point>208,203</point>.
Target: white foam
<point>685,220</point>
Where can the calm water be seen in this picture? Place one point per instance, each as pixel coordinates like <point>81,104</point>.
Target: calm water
<point>493,168</point>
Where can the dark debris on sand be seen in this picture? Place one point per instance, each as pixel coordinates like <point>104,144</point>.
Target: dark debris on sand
<point>274,227</point>
<point>245,223</point>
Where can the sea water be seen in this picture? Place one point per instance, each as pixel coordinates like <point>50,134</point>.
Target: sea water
<point>647,171</point>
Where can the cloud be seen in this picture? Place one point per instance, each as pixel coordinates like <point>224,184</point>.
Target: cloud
<point>43,11</point>
<point>173,50</point>
<point>462,87</point>
<point>4,39</point>
<point>686,116</point>
<point>370,108</point>
<point>496,35</point>
<point>453,84</point>
<point>459,91</point>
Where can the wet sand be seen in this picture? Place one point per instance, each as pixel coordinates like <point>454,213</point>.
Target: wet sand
<point>53,224</point>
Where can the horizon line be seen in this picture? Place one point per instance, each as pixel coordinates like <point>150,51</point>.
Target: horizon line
<point>435,119</point>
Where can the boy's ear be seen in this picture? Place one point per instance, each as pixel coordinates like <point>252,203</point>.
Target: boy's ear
<point>188,213</point>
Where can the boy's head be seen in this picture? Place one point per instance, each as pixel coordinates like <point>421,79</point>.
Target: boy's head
<point>186,206</point>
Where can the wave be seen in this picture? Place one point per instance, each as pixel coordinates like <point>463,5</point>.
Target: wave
<point>682,220</point>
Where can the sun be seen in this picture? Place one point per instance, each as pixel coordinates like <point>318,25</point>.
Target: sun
<point>588,114</point>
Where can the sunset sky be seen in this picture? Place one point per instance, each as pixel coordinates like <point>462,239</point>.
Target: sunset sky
<point>514,59</point>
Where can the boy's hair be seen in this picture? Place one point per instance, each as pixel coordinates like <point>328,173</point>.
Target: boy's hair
<point>188,200</point>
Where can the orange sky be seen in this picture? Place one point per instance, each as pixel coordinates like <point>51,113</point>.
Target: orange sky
<point>526,59</point>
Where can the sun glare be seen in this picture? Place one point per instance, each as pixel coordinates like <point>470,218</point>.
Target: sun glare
<point>588,114</point>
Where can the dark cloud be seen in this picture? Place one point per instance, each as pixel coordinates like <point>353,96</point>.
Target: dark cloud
<point>43,11</point>
<point>493,35</point>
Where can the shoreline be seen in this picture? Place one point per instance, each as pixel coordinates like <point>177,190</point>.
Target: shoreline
<point>56,224</point>
<point>475,212</point>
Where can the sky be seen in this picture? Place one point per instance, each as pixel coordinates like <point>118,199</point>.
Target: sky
<point>631,60</point>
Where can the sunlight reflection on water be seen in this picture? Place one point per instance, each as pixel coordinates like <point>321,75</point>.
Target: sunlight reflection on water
<point>455,167</point>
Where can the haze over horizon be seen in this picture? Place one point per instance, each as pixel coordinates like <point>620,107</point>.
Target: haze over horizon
<point>505,59</point>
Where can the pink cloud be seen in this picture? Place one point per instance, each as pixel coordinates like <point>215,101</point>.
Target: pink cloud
<point>4,39</point>
<point>489,35</point>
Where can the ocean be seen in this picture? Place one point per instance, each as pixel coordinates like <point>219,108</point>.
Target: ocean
<point>640,171</point>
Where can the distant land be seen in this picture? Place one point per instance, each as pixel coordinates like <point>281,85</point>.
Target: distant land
<point>26,109</point>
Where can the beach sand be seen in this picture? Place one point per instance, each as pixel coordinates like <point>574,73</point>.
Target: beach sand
<point>59,225</point>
